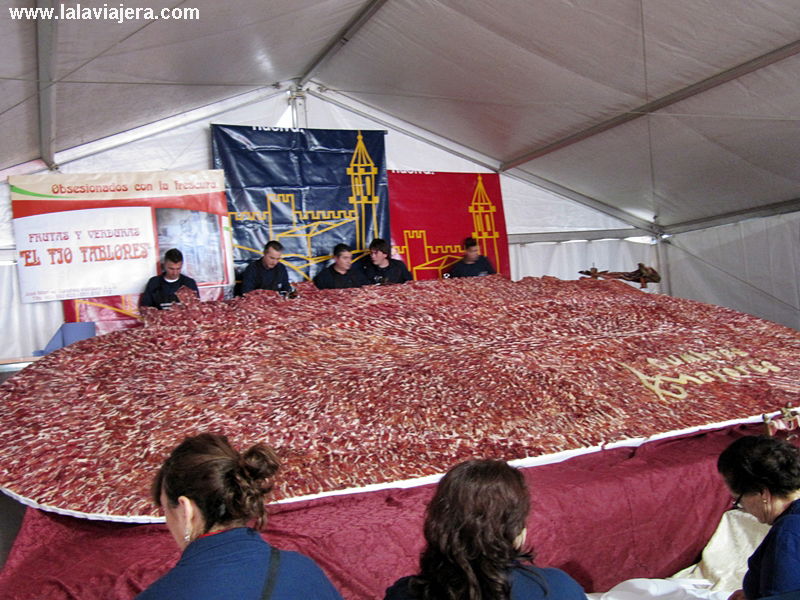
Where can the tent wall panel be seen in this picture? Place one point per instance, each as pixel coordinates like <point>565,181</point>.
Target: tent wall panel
<point>565,259</point>
<point>25,327</point>
<point>749,266</point>
<point>6,232</point>
<point>530,209</point>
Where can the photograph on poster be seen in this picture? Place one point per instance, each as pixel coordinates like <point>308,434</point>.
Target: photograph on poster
<point>197,234</point>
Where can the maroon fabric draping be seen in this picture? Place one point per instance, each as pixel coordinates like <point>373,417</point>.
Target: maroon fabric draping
<point>603,517</point>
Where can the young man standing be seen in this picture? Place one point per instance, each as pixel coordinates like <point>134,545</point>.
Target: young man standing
<point>383,269</point>
<point>267,273</point>
<point>473,264</point>
<point>160,290</point>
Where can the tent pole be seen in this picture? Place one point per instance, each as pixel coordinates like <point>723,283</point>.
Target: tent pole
<point>163,125</point>
<point>297,102</point>
<point>340,40</point>
<point>45,51</point>
<point>662,257</point>
<point>709,83</point>
<point>406,128</point>
<point>767,210</point>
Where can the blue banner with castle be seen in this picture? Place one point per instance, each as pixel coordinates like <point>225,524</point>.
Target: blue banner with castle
<point>309,189</point>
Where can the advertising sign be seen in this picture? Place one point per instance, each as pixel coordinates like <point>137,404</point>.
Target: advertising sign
<point>87,236</point>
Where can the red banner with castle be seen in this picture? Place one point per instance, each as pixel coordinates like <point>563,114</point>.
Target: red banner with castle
<point>432,213</point>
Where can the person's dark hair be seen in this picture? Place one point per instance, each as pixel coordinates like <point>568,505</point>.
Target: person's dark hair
<point>470,242</point>
<point>226,485</point>
<point>381,245</point>
<point>173,255</point>
<point>339,248</point>
<point>471,525</point>
<point>274,244</point>
<point>754,463</point>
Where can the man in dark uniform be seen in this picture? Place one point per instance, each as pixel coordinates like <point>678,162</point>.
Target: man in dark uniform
<point>473,264</point>
<point>160,290</point>
<point>383,269</point>
<point>267,273</point>
<point>339,275</point>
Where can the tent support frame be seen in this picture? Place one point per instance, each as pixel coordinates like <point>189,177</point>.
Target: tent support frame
<point>777,208</point>
<point>650,107</point>
<point>297,103</point>
<point>407,129</point>
<point>340,40</point>
<point>45,53</point>
<point>567,236</point>
<point>480,160</point>
<point>163,125</point>
<point>662,258</point>
<point>593,203</point>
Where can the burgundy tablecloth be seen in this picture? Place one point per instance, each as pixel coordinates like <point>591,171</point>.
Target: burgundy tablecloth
<point>603,517</point>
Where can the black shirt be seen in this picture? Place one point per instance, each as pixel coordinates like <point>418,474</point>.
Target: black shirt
<point>394,272</point>
<point>257,277</point>
<point>480,267</point>
<point>330,279</point>
<point>161,293</point>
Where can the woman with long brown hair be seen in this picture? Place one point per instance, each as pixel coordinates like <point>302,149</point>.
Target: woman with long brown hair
<point>475,534</point>
<point>210,493</point>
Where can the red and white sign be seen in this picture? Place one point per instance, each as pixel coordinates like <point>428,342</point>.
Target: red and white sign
<point>84,253</point>
<point>102,234</point>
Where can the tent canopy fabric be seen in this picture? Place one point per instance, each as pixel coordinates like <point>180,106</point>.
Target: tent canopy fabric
<point>668,115</point>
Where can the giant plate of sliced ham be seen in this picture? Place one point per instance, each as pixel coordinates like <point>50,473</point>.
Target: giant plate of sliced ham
<point>381,384</point>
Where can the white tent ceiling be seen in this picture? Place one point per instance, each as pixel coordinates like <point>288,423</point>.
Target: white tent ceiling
<point>681,113</point>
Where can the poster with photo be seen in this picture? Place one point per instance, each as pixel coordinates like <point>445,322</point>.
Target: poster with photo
<point>93,240</point>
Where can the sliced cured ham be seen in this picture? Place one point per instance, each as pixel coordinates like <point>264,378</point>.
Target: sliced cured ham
<point>378,384</point>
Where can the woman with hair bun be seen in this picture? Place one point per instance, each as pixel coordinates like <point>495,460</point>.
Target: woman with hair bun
<point>475,534</point>
<point>209,493</point>
<point>763,475</point>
